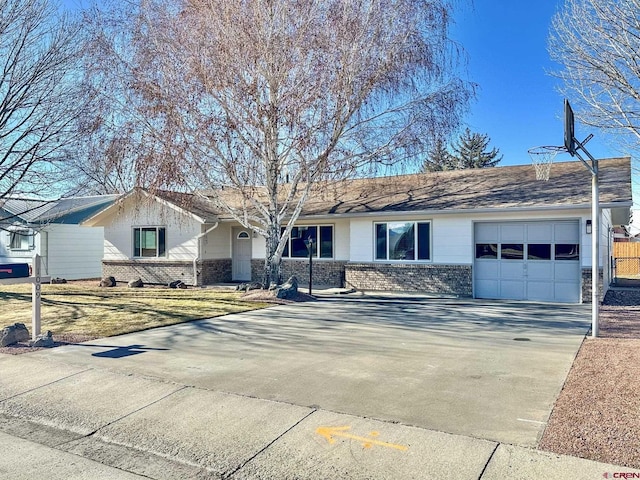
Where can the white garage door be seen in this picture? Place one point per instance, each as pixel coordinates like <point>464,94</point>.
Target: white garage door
<point>528,261</point>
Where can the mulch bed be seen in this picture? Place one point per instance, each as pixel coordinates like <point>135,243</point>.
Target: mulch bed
<point>269,296</point>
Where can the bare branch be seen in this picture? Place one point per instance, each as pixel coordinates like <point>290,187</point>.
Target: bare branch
<point>597,42</point>
<point>257,101</point>
<point>39,98</point>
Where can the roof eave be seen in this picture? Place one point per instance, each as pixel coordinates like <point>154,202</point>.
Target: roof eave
<point>94,220</point>
<point>461,211</point>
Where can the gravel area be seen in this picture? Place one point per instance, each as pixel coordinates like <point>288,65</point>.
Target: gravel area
<point>597,415</point>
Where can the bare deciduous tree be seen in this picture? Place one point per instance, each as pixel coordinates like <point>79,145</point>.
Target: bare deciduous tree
<point>598,43</point>
<point>38,92</point>
<point>260,100</point>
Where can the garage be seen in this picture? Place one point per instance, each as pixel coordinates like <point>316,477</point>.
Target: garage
<point>537,261</point>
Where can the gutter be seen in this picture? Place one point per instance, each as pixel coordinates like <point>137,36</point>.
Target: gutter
<point>408,213</point>
<point>198,257</point>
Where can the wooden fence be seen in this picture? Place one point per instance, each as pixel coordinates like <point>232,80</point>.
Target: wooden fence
<point>627,258</point>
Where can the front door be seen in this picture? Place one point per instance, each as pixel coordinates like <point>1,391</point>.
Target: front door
<point>241,255</point>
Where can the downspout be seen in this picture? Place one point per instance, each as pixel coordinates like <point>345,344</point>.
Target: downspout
<point>198,256</point>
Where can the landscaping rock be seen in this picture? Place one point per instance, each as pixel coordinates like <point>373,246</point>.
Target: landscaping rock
<point>108,282</point>
<point>245,287</point>
<point>622,298</point>
<point>177,284</point>
<point>58,280</point>
<point>43,340</point>
<point>13,334</point>
<point>136,283</point>
<point>288,289</point>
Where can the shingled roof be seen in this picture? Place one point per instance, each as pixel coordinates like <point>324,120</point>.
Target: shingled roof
<point>64,210</point>
<point>569,184</point>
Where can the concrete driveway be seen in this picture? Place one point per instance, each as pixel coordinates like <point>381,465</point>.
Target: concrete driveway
<point>485,369</point>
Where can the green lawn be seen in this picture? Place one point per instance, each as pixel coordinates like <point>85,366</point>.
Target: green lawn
<point>81,308</point>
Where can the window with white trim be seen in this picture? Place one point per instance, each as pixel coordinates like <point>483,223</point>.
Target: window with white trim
<point>403,241</point>
<point>322,241</point>
<point>21,239</point>
<point>149,241</point>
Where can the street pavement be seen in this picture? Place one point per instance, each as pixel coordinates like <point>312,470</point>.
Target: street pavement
<point>351,387</point>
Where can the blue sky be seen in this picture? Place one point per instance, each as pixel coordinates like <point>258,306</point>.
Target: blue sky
<point>517,102</point>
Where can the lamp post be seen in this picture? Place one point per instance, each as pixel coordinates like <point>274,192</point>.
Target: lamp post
<point>310,247</point>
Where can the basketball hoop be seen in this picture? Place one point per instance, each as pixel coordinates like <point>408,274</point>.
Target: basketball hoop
<point>542,158</point>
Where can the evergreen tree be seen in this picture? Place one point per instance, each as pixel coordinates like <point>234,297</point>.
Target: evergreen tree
<point>471,151</point>
<point>439,159</point>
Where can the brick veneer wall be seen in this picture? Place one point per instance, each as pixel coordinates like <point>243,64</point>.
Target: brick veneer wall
<point>447,279</point>
<point>214,271</point>
<point>257,270</point>
<point>325,272</point>
<point>161,272</point>
<point>586,285</point>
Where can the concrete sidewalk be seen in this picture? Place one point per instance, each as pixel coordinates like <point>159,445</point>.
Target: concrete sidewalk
<point>68,422</point>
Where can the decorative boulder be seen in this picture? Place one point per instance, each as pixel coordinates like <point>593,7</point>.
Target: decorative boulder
<point>289,289</point>
<point>108,282</point>
<point>245,287</point>
<point>177,284</point>
<point>43,340</point>
<point>58,280</point>
<point>13,334</point>
<point>136,283</point>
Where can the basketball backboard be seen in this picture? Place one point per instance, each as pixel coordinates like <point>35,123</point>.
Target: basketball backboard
<point>569,129</point>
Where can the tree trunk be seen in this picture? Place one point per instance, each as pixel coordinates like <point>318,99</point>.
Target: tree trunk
<point>272,261</point>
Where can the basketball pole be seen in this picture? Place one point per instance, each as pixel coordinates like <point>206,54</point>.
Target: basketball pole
<point>595,251</point>
<point>595,235</point>
<point>572,145</point>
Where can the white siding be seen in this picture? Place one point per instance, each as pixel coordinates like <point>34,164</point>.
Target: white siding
<point>217,243</point>
<point>605,224</point>
<point>182,231</point>
<point>341,236</point>
<point>74,252</point>
<point>361,236</point>
<point>258,247</point>
<point>452,240</point>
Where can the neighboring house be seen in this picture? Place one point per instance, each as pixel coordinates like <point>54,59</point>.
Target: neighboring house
<point>487,233</point>
<point>51,229</point>
<point>620,234</point>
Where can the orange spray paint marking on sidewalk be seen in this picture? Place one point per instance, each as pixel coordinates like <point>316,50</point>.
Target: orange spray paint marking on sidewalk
<point>331,432</point>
